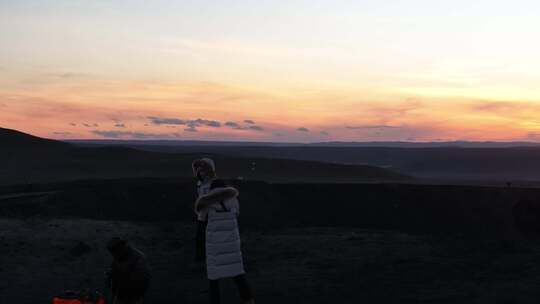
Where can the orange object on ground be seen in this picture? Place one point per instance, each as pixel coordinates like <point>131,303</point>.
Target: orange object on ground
<point>80,298</point>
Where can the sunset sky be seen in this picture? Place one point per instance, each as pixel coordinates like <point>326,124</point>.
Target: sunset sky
<point>284,71</point>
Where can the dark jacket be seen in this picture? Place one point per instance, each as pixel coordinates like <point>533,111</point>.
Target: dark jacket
<point>130,275</point>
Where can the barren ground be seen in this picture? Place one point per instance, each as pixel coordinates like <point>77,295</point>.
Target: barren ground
<point>41,257</point>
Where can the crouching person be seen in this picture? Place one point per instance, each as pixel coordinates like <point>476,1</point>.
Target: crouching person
<point>218,207</point>
<point>129,274</point>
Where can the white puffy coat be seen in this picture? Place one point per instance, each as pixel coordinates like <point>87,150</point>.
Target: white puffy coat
<point>223,246</point>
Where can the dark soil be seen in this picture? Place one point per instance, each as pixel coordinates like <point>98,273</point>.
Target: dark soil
<point>300,265</point>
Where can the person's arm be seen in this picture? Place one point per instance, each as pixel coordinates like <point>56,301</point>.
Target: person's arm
<point>215,196</point>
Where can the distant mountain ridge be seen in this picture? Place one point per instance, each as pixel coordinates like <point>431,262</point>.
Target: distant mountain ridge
<point>11,137</point>
<point>386,144</point>
<point>471,161</point>
<point>465,161</point>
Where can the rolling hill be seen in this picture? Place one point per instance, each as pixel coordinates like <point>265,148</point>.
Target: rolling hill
<point>505,163</point>
<point>12,139</point>
<point>28,159</point>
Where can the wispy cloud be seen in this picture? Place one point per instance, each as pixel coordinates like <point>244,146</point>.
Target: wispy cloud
<point>491,106</point>
<point>132,135</point>
<point>69,75</point>
<point>387,113</point>
<point>193,123</point>
<point>371,127</point>
<point>166,121</point>
<point>508,109</point>
<point>232,124</point>
<point>111,134</point>
<point>204,122</point>
<point>250,126</point>
<point>302,129</point>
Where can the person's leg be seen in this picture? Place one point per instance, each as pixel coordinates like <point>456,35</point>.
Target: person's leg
<point>129,301</point>
<point>246,293</point>
<point>214,292</point>
<point>200,242</point>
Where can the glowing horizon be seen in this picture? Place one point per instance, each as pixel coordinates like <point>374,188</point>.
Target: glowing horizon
<point>295,71</point>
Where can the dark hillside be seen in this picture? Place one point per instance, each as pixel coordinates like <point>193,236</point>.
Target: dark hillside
<point>12,139</point>
<point>494,163</point>
<point>27,159</point>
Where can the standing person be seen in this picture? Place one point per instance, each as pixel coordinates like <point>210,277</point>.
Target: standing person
<point>129,275</point>
<point>217,210</point>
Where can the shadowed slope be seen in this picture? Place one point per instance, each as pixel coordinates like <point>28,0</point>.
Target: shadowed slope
<point>12,139</point>
<point>30,159</point>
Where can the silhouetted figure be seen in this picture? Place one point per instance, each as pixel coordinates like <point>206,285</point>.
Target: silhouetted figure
<point>218,237</point>
<point>129,274</point>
